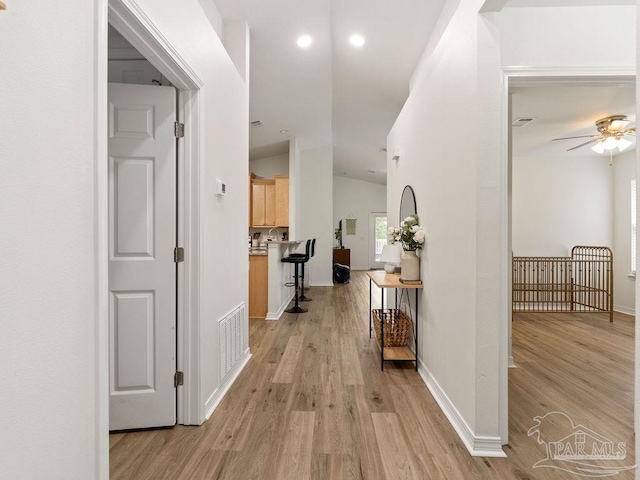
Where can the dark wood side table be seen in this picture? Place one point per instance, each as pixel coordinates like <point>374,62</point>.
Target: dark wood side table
<point>342,256</point>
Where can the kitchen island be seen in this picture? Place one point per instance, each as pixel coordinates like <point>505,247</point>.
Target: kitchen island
<point>273,291</point>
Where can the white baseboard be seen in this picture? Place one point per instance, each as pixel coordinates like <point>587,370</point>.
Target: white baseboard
<point>511,363</point>
<point>625,310</point>
<point>322,284</point>
<point>478,446</point>
<point>216,397</point>
<point>283,307</point>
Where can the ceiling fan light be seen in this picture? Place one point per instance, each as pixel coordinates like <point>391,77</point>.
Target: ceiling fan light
<point>610,143</point>
<point>598,147</point>
<point>623,143</point>
<point>618,125</point>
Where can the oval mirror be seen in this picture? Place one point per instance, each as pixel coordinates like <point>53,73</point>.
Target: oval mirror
<point>407,203</point>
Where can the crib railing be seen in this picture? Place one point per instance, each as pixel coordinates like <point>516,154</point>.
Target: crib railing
<point>580,283</point>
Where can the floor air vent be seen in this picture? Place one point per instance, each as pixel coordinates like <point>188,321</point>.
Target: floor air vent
<point>233,339</point>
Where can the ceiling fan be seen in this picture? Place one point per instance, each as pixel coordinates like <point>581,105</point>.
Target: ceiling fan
<point>612,135</point>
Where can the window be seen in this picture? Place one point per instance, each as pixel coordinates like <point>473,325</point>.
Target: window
<point>380,235</point>
<point>633,226</point>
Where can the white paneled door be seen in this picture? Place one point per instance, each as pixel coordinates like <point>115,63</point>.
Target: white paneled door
<point>142,272</point>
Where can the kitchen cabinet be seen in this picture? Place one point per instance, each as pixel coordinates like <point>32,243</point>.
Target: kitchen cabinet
<point>270,202</point>
<point>258,286</point>
<point>263,203</point>
<point>282,200</point>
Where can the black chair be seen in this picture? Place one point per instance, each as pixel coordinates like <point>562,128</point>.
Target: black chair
<point>303,298</point>
<point>298,260</point>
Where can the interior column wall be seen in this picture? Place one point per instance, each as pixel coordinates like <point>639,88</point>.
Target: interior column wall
<point>315,210</point>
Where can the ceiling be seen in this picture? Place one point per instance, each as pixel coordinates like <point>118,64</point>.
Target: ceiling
<point>565,111</point>
<point>332,93</point>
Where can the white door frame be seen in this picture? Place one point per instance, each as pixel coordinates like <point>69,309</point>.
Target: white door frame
<point>136,27</point>
<point>531,76</point>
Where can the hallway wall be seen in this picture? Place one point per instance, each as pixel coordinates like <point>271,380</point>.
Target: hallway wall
<point>48,356</point>
<point>461,188</point>
<point>54,407</point>
<point>224,155</point>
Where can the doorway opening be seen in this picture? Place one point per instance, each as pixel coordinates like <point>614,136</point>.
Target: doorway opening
<point>378,238</point>
<point>561,194</point>
<point>168,68</point>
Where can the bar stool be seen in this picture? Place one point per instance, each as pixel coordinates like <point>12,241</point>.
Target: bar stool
<point>303,298</point>
<point>298,260</point>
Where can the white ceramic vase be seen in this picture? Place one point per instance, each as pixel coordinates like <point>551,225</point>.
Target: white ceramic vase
<point>410,265</point>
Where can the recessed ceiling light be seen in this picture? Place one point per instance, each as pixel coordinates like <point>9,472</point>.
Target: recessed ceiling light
<point>304,41</point>
<point>283,132</point>
<point>356,40</point>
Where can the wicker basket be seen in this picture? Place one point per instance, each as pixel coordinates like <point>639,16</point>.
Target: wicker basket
<point>396,326</point>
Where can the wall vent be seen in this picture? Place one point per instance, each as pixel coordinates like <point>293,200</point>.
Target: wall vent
<point>522,121</point>
<point>256,124</point>
<point>233,339</point>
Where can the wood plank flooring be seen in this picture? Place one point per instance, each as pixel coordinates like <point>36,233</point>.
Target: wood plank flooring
<point>313,404</point>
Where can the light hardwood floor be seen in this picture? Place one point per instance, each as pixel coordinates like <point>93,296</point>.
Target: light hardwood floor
<point>313,404</point>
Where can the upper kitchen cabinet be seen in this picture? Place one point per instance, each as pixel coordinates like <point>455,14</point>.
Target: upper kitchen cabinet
<point>263,203</point>
<point>282,200</point>
<point>270,202</point>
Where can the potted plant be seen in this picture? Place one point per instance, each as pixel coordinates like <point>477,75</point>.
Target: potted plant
<point>412,237</point>
<point>338,234</point>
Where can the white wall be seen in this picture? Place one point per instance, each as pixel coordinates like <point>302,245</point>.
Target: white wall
<point>48,353</point>
<point>48,350</point>
<point>357,199</point>
<point>270,166</point>
<point>315,210</point>
<point>561,37</point>
<point>624,170</point>
<point>444,178</point>
<point>559,203</point>
<point>224,147</point>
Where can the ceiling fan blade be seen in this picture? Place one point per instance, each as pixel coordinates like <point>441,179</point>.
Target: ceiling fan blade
<point>580,136</point>
<point>585,143</point>
<point>630,131</point>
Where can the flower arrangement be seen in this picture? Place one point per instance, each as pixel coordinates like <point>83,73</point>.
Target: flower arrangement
<point>409,233</point>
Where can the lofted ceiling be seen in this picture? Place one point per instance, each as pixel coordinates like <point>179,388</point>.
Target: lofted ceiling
<point>565,111</point>
<point>332,93</point>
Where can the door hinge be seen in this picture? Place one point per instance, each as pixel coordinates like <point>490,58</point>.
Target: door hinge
<point>178,254</point>
<point>178,379</point>
<point>178,129</point>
